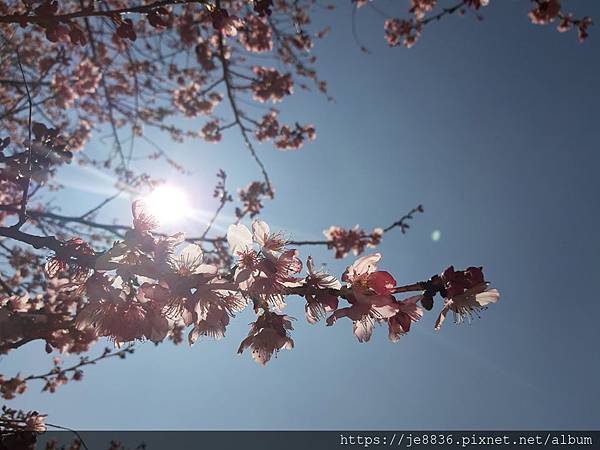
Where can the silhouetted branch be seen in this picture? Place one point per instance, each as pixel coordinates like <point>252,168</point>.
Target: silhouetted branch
<point>88,12</point>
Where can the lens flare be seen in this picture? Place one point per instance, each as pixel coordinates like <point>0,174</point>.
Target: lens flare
<point>168,204</point>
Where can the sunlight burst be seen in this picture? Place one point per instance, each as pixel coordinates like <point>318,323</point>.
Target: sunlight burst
<point>168,204</point>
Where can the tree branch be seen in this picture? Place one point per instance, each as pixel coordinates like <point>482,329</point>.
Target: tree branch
<point>86,12</point>
<point>237,116</point>
<point>27,180</point>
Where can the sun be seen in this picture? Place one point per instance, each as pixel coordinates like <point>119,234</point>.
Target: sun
<point>168,204</point>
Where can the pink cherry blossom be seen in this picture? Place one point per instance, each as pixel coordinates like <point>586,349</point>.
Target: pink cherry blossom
<point>293,138</point>
<point>364,315</point>
<point>212,324</point>
<point>142,220</point>
<point>272,275</point>
<point>367,283</point>
<point>268,335</point>
<point>112,313</point>
<point>468,303</point>
<point>239,238</point>
<point>256,35</point>
<point>268,128</point>
<point>190,102</point>
<point>353,240</point>
<point>263,276</point>
<point>420,7</point>
<point>211,306</point>
<point>318,300</point>
<point>270,242</point>
<point>269,84</point>
<point>190,261</point>
<point>251,197</point>
<point>211,131</point>
<point>545,11</point>
<point>226,24</point>
<point>11,387</point>
<point>371,296</point>
<point>405,31</point>
<point>35,422</point>
<point>408,313</point>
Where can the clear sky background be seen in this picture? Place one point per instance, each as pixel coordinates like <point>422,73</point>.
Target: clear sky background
<point>493,127</point>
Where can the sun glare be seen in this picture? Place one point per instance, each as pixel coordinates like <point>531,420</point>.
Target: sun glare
<point>168,204</point>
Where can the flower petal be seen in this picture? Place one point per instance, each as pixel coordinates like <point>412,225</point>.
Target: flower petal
<point>363,329</point>
<point>442,316</point>
<point>487,297</point>
<point>239,238</point>
<point>382,282</point>
<point>260,231</point>
<point>363,265</point>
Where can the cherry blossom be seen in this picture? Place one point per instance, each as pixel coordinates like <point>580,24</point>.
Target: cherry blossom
<point>211,131</point>
<point>152,286</point>
<point>371,296</point>
<point>123,319</point>
<point>353,240</point>
<point>294,137</point>
<point>263,7</point>
<point>268,128</point>
<point>545,11</point>
<point>263,276</point>
<point>318,300</point>
<point>62,261</point>
<point>239,238</point>
<point>35,422</point>
<point>421,7</point>
<point>402,31</point>
<point>12,387</point>
<point>270,84</point>
<point>257,36</point>
<point>18,420</point>
<point>142,220</point>
<point>268,242</point>
<point>189,100</point>
<point>268,335</point>
<point>408,313</point>
<point>252,198</point>
<point>465,294</point>
<point>225,23</point>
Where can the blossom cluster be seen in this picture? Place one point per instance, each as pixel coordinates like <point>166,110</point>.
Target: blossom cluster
<point>257,36</point>
<point>154,63</point>
<point>151,287</point>
<point>269,84</point>
<point>547,11</point>
<point>402,31</point>
<point>407,31</point>
<point>17,420</point>
<point>354,240</point>
<point>252,199</point>
<point>48,316</point>
<point>191,103</point>
<point>285,137</point>
<point>48,149</point>
<point>82,81</point>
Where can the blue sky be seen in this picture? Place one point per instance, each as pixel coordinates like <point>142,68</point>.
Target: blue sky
<point>493,127</point>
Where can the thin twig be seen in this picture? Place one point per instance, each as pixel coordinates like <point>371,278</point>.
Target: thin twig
<point>27,180</point>
<point>75,432</point>
<point>26,18</point>
<point>102,204</point>
<point>237,116</point>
